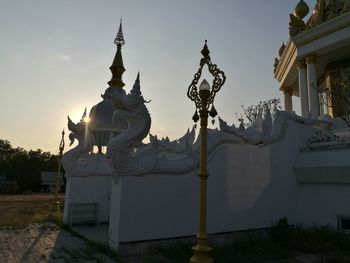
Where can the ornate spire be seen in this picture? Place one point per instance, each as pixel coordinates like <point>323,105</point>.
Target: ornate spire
<point>117,67</point>
<point>119,40</point>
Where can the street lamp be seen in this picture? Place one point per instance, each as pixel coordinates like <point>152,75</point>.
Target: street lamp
<point>203,100</point>
<point>61,148</point>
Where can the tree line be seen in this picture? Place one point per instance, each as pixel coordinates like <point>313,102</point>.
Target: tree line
<point>24,167</point>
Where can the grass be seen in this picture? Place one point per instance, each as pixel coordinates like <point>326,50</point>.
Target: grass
<point>22,210</point>
<point>285,245</point>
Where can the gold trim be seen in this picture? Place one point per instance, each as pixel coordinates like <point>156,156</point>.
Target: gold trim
<point>287,90</point>
<point>301,64</point>
<point>310,59</point>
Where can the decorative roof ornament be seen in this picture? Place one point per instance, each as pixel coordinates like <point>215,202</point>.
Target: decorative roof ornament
<point>327,10</point>
<point>317,14</point>
<point>136,89</point>
<point>119,40</point>
<point>296,24</point>
<point>117,67</point>
<point>301,10</point>
<point>281,50</point>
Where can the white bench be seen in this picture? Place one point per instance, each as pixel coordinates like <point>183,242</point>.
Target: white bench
<point>83,213</point>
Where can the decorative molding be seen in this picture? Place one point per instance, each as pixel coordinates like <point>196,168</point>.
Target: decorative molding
<point>285,62</point>
<point>310,59</point>
<point>287,90</point>
<point>301,64</point>
<point>321,30</point>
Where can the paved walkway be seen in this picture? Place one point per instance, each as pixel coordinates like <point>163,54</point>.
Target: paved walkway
<point>38,243</point>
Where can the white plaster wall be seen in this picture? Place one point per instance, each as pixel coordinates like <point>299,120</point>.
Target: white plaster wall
<point>283,154</point>
<point>89,189</point>
<point>248,187</point>
<point>156,207</point>
<point>239,176</point>
<point>324,189</point>
<point>113,229</point>
<point>320,204</point>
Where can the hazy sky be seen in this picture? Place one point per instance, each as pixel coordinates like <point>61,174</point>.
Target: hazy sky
<point>55,58</point>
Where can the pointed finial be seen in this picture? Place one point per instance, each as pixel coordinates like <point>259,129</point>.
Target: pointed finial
<point>84,114</point>
<point>119,40</point>
<point>205,51</point>
<point>61,146</point>
<point>136,89</point>
<point>117,67</point>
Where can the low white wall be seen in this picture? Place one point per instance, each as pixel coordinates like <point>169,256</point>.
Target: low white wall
<point>324,186</point>
<point>321,204</point>
<point>89,189</point>
<point>239,197</point>
<point>249,187</point>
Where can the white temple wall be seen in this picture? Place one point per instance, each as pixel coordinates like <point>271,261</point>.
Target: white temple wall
<point>89,189</point>
<point>321,204</point>
<point>324,186</point>
<point>155,207</point>
<point>249,187</point>
<point>114,219</point>
<point>284,186</point>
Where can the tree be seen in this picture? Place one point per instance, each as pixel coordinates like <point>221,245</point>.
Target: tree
<point>254,112</point>
<point>25,166</point>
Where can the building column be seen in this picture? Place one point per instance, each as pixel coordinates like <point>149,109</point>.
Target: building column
<point>312,85</point>
<point>288,103</point>
<point>303,93</point>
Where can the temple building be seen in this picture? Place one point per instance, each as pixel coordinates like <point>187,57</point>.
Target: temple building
<point>100,124</point>
<point>279,165</point>
<point>316,55</point>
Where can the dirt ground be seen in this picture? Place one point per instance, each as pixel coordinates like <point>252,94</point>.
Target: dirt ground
<point>26,209</point>
<point>28,198</point>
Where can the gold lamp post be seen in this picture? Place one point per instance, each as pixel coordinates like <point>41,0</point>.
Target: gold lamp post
<point>61,148</point>
<point>203,99</point>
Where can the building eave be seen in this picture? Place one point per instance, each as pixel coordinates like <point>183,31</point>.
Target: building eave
<point>321,30</point>
<point>286,62</point>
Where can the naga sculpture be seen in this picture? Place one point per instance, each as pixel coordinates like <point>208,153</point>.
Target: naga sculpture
<point>85,140</point>
<point>132,108</point>
<point>272,131</point>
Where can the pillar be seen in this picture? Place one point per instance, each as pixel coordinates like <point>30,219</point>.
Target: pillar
<point>303,92</point>
<point>288,93</point>
<point>312,85</point>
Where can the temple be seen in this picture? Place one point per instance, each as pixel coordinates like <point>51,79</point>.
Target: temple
<point>279,164</point>
<point>316,54</point>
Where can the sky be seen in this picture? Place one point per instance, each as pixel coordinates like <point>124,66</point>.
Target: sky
<point>55,58</point>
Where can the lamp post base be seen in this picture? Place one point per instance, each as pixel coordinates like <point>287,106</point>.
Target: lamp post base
<point>201,254</point>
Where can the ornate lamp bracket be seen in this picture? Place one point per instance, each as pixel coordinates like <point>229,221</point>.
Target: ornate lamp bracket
<point>218,80</point>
